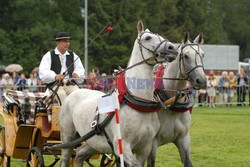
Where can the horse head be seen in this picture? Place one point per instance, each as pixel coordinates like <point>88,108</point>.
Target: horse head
<point>153,47</point>
<point>191,61</point>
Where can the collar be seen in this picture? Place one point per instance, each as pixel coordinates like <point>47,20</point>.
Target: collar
<point>59,53</point>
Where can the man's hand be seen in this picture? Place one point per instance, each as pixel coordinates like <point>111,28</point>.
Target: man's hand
<point>59,77</point>
<point>74,75</point>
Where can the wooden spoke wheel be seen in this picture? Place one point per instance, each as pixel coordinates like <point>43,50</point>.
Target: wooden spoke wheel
<point>4,159</point>
<point>108,160</point>
<point>35,158</point>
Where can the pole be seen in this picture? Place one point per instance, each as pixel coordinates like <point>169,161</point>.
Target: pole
<point>86,37</point>
<point>117,119</point>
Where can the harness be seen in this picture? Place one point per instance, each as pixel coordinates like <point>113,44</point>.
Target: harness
<point>135,102</point>
<point>162,95</point>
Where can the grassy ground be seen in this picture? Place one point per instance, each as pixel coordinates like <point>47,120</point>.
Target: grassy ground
<point>220,137</point>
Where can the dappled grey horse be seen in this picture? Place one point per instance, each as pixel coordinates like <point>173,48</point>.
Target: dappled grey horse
<point>174,126</point>
<point>138,129</point>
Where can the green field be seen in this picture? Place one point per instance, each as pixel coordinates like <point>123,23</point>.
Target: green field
<point>220,137</point>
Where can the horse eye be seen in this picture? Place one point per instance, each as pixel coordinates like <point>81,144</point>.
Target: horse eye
<point>186,57</point>
<point>148,38</point>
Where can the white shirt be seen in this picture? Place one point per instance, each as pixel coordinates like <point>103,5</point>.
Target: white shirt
<point>48,76</point>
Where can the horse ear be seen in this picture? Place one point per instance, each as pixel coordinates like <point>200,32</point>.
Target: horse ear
<point>140,27</point>
<point>185,38</point>
<point>199,39</point>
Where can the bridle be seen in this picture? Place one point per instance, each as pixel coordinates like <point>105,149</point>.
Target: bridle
<point>181,59</point>
<point>146,60</point>
<point>154,52</point>
<point>181,62</point>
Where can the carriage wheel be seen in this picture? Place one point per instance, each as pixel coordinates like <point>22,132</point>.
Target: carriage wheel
<point>108,160</point>
<point>35,158</point>
<point>4,159</point>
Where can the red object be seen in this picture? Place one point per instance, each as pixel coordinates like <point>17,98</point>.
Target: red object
<point>158,78</point>
<point>122,89</point>
<point>117,116</point>
<point>109,28</point>
<point>120,146</point>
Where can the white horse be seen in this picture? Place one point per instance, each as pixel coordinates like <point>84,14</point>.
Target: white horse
<point>174,126</point>
<point>137,129</point>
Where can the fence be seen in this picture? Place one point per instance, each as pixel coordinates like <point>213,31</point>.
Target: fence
<point>240,95</point>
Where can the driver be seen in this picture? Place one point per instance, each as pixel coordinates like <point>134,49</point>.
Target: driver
<point>58,61</point>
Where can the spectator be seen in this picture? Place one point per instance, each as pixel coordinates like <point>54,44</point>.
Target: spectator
<point>22,82</point>
<point>224,88</point>
<point>211,90</point>
<point>216,81</point>
<point>32,83</point>
<point>40,86</point>
<point>15,77</point>
<point>232,81</point>
<point>7,82</point>
<point>241,88</point>
<point>202,93</point>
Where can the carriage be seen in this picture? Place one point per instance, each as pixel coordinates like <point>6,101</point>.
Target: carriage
<point>29,127</point>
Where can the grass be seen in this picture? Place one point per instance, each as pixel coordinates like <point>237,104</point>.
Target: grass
<point>220,137</point>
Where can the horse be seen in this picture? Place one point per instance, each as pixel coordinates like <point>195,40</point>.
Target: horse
<point>174,126</point>
<point>137,129</point>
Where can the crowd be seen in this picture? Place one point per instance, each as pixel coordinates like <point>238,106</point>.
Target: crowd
<point>20,82</point>
<point>226,86</point>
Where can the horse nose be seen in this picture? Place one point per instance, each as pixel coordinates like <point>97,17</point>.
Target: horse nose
<point>170,47</point>
<point>201,82</point>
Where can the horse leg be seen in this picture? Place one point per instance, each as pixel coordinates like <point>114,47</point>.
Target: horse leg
<point>129,157</point>
<point>143,155</point>
<point>152,155</point>
<point>183,145</point>
<point>82,153</point>
<point>66,153</point>
<point>67,134</point>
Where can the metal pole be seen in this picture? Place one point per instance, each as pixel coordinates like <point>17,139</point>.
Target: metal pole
<point>86,37</point>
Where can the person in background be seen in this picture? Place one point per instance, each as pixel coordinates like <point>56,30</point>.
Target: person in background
<point>211,90</point>
<point>15,78</point>
<point>232,81</point>
<point>224,88</point>
<point>241,88</point>
<point>22,82</point>
<point>32,83</point>
<point>202,94</point>
<point>56,62</point>
<point>7,82</point>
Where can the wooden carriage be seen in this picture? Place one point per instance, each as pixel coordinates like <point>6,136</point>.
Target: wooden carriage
<point>28,141</point>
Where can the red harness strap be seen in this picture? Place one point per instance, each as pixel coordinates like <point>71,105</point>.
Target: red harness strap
<point>122,90</point>
<point>121,86</point>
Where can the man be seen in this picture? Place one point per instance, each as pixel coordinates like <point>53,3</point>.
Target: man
<point>61,64</point>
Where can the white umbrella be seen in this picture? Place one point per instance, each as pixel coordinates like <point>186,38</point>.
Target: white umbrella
<point>14,67</point>
<point>36,69</point>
